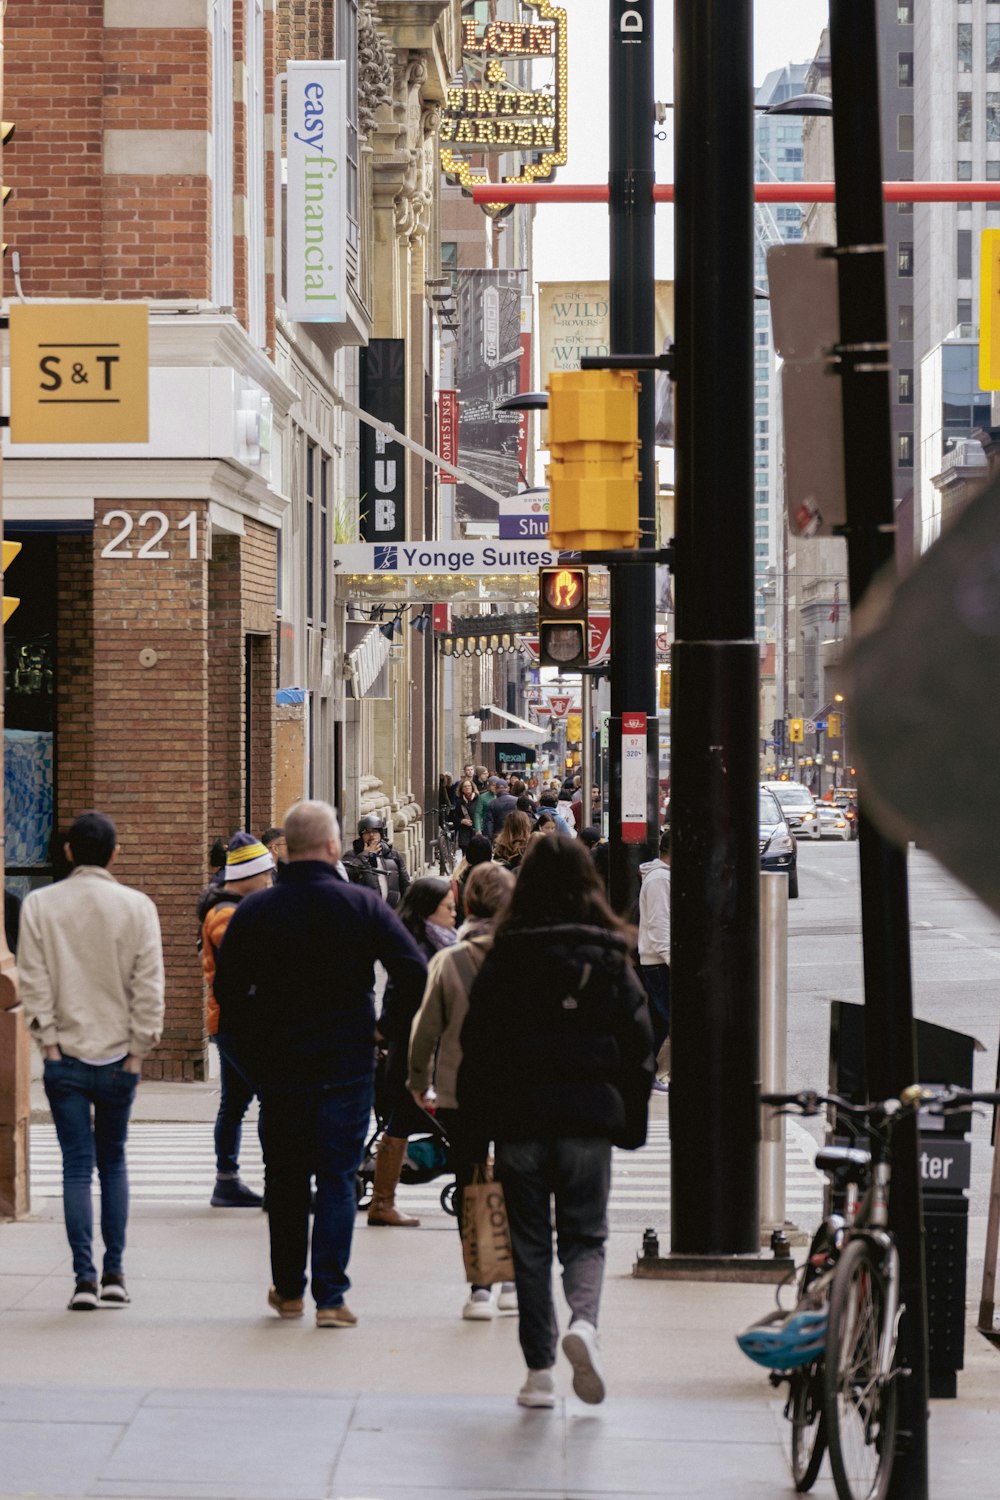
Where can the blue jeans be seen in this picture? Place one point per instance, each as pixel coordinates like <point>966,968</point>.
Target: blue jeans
<point>235,1094</point>
<point>72,1088</point>
<point>656,982</point>
<point>316,1131</point>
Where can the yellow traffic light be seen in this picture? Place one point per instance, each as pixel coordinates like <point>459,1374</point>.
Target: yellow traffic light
<point>989,310</point>
<point>563,627</point>
<point>833,727</point>
<point>664,688</point>
<point>593,446</point>
<point>795,731</point>
<point>10,551</point>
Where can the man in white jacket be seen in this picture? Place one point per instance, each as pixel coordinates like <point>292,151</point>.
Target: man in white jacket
<point>90,964</point>
<point>654,944</point>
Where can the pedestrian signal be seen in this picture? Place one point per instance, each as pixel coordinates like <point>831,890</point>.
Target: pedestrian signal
<point>795,731</point>
<point>563,630</point>
<point>10,551</point>
<point>593,472</point>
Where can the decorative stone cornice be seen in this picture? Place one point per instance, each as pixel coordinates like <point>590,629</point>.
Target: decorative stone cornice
<point>374,67</point>
<point>432,28</point>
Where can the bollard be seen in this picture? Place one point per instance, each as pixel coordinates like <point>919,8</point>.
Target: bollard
<point>773,1045</point>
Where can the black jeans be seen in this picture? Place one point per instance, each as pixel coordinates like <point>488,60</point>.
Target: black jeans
<point>315,1130</point>
<point>577,1173</point>
<point>656,981</point>
<point>235,1093</point>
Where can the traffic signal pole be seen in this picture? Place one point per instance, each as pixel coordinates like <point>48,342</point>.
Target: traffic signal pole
<point>633,322</point>
<point>714,1110</point>
<point>890,1039</point>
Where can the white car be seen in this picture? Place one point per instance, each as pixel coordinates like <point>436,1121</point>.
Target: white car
<point>798,806</point>
<point>832,823</point>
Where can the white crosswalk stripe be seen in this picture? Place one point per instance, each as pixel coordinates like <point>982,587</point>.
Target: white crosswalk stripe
<point>175,1163</point>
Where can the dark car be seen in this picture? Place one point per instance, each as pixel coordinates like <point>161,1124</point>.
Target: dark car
<point>778,850</point>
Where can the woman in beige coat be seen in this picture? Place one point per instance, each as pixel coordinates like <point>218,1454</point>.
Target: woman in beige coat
<point>435,1049</point>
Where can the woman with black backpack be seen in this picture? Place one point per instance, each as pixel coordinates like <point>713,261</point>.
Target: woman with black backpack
<point>557,1066</point>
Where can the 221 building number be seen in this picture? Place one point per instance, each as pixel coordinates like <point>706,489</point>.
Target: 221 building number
<point>159,521</point>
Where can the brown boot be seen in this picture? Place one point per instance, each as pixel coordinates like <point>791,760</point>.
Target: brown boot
<point>388,1165</point>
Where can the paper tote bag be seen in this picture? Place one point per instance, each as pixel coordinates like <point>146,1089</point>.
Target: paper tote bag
<point>485,1233</point>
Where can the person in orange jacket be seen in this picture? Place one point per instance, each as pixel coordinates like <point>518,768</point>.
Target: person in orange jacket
<point>249,867</point>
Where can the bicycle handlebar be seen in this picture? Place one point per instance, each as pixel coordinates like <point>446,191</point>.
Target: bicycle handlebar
<point>947,1100</point>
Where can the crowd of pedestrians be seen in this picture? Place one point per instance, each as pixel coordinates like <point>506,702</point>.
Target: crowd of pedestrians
<point>512,1023</point>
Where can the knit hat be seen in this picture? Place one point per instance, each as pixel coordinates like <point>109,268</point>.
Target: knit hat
<point>247,856</point>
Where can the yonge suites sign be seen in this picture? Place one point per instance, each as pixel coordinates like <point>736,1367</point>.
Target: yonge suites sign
<point>496,109</point>
<point>315,222</point>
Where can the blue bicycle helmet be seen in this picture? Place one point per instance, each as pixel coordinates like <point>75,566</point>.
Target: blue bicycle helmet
<point>786,1340</point>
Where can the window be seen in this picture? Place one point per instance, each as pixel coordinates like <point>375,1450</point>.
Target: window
<point>963,171</point>
<point>963,312</point>
<point>222,153</point>
<point>904,324</point>
<point>963,116</point>
<point>993,46</point>
<point>904,450</point>
<point>760,426</point>
<point>993,117</point>
<point>310,530</point>
<point>904,132</point>
<point>324,537</point>
<point>904,13</point>
<point>347,51</point>
<point>904,258</point>
<point>905,208</point>
<point>963,48</point>
<point>993,171</point>
<point>963,254</point>
<point>256,200</point>
<point>904,387</point>
<point>904,69</point>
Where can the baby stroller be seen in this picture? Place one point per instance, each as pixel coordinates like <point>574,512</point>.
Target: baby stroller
<point>426,1153</point>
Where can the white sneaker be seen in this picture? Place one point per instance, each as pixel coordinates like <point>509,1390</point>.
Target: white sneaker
<point>539,1389</point>
<point>581,1349</point>
<point>479,1306</point>
<point>507,1300</point>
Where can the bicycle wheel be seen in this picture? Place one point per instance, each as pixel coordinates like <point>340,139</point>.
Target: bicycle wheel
<point>808,1419</point>
<point>860,1406</point>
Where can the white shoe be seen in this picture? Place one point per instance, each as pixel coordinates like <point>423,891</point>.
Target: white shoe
<point>539,1389</point>
<point>507,1300</point>
<point>581,1349</point>
<point>479,1307</point>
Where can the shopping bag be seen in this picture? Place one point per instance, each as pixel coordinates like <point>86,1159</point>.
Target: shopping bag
<point>485,1232</point>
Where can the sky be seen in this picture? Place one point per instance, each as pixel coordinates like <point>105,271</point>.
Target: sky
<point>571,240</point>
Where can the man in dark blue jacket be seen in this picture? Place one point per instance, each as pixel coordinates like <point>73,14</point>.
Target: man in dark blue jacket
<point>296,989</point>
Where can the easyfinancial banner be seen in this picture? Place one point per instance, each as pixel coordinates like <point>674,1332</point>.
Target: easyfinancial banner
<point>382,462</point>
<point>574,319</point>
<point>315,214</point>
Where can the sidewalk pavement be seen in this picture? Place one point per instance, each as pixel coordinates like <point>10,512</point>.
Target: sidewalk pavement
<point>197,1392</point>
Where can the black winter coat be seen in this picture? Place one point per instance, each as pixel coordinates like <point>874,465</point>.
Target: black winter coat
<point>364,869</point>
<point>493,818</point>
<point>557,1041</point>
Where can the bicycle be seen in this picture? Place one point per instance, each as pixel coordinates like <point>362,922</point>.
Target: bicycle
<point>837,1346</point>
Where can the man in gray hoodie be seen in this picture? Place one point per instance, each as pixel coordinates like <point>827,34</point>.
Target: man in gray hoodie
<point>654,944</point>
<point>90,964</point>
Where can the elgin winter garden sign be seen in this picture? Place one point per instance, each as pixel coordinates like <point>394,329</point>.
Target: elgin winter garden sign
<point>507,101</point>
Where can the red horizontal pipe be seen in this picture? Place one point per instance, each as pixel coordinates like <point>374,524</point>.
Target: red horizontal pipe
<point>764,192</point>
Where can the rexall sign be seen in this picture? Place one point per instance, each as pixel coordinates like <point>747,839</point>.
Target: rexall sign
<point>315,205</point>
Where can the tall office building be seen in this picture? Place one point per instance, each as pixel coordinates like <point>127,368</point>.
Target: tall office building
<point>955,66</point>
<point>778,157</point>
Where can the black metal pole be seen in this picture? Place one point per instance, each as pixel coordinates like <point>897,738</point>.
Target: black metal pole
<point>633,324</point>
<point>890,1040</point>
<point>714,1115</point>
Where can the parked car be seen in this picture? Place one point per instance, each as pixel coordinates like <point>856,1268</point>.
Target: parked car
<point>833,821</point>
<point>798,805</point>
<point>847,801</point>
<point>777,842</point>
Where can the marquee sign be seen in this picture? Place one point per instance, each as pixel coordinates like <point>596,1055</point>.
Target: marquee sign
<point>490,113</point>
